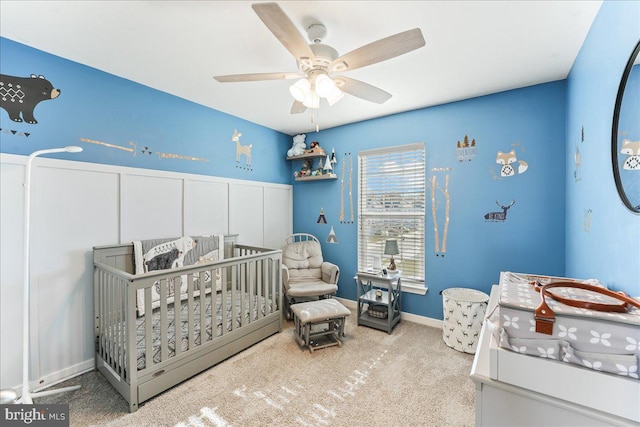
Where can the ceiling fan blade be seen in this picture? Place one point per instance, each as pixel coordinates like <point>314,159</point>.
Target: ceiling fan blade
<point>285,31</point>
<point>298,107</point>
<point>257,77</point>
<point>362,90</point>
<point>381,50</point>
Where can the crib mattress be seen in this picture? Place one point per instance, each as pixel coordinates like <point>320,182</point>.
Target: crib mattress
<point>178,323</point>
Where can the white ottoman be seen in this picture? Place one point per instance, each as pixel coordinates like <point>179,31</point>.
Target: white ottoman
<point>320,312</point>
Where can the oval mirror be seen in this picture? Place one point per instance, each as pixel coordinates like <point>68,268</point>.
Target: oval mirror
<point>625,135</point>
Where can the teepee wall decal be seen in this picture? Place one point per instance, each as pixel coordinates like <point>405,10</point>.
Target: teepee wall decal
<point>321,218</point>
<point>332,236</point>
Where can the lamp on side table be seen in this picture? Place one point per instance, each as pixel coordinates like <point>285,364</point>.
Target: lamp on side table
<point>391,248</point>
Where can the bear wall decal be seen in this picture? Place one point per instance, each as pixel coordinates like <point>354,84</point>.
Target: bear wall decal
<point>20,95</point>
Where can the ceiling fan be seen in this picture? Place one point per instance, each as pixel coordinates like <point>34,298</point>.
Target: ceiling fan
<point>320,65</point>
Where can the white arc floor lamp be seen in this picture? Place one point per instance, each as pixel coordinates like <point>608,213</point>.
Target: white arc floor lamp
<point>27,396</point>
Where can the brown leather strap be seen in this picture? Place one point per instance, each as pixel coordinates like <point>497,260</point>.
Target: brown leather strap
<point>545,317</point>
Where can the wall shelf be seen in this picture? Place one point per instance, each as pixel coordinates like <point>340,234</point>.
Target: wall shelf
<point>312,157</point>
<point>307,156</point>
<point>317,177</point>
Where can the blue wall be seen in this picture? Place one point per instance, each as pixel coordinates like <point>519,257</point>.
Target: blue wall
<point>530,120</point>
<point>547,230</point>
<point>102,107</point>
<point>610,250</point>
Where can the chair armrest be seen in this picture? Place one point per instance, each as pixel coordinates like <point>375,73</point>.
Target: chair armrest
<point>330,273</point>
<point>285,276</point>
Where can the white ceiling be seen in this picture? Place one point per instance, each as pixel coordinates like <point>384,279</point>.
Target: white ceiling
<point>472,48</point>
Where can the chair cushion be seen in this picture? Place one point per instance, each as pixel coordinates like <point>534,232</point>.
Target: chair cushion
<point>304,260</point>
<point>317,311</point>
<point>308,289</point>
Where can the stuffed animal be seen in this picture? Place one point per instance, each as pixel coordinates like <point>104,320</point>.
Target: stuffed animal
<point>306,168</point>
<point>314,148</point>
<point>299,146</point>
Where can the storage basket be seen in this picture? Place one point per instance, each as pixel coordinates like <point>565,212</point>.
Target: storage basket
<point>464,310</point>
<point>379,311</point>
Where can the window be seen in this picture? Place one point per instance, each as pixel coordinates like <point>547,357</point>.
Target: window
<point>391,205</point>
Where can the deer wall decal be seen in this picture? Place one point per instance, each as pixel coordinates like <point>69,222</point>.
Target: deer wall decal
<point>241,149</point>
<point>499,216</point>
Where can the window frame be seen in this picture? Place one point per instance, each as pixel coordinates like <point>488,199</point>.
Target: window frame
<point>416,214</point>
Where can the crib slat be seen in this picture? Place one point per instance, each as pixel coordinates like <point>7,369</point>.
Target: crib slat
<point>244,286</point>
<point>252,298</point>
<point>190,314</point>
<point>148,328</point>
<point>262,284</point>
<point>112,327</point>
<point>164,339</point>
<point>120,338</point>
<point>224,278</point>
<point>203,319</point>
<point>101,321</point>
<point>223,314</point>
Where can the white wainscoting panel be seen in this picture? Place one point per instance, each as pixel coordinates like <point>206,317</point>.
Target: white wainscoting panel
<point>76,206</point>
<point>72,211</point>
<point>206,205</point>
<point>278,205</point>
<point>11,270</point>
<point>151,207</point>
<point>246,214</point>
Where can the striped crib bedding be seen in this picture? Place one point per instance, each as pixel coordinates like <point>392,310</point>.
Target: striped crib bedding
<point>180,323</point>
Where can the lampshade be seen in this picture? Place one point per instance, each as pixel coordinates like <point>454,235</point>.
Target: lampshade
<point>334,96</point>
<point>391,247</point>
<point>324,85</point>
<point>311,100</point>
<point>310,93</point>
<point>300,89</point>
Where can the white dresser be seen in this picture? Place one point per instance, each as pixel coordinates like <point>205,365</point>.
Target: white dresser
<point>520,390</point>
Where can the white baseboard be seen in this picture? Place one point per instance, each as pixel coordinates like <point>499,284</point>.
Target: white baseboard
<point>62,375</point>
<point>409,317</point>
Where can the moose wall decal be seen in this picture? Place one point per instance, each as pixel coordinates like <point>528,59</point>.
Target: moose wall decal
<point>499,216</point>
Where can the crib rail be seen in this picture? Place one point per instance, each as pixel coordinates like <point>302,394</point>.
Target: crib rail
<point>243,290</point>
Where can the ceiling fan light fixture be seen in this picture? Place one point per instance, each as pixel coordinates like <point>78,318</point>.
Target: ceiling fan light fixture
<point>300,89</point>
<point>335,96</point>
<point>324,85</point>
<point>312,100</point>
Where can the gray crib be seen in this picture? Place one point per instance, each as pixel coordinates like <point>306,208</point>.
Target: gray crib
<point>142,356</point>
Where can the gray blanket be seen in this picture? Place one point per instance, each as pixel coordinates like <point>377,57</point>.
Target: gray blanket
<point>164,254</point>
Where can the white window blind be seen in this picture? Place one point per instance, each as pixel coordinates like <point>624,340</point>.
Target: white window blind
<point>391,201</point>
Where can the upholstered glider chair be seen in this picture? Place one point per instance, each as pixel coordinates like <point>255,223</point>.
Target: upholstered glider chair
<point>305,274</point>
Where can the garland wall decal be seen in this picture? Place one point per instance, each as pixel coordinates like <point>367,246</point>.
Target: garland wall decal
<point>106,144</point>
<point>181,157</point>
<point>15,132</point>
<point>145,150</point>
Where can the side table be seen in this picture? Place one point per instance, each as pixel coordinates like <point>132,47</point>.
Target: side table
<point>383,311</point>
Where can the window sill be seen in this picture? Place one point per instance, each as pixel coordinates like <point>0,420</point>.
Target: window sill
<point>414,289</point>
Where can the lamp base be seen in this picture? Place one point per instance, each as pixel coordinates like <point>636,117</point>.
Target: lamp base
<point>392,265</point>
<point>27,396</point>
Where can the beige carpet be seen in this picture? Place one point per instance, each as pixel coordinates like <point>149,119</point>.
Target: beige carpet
<point>408,378</point>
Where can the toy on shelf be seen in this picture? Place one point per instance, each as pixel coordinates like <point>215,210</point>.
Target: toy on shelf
<point>315,149</point>
<point>299,147</point>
